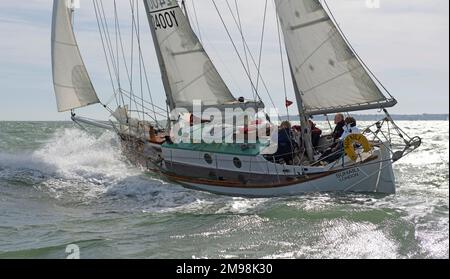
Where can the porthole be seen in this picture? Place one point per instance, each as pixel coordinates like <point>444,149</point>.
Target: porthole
<point>208,159</point>
<point>237,163</point>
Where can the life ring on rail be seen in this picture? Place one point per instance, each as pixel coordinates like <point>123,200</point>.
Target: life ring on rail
<point>349,145</point>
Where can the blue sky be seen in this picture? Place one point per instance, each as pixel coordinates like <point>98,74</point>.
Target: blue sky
<point>405,42</point>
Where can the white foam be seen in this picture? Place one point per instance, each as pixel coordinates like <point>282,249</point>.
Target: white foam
<point>240,205</point>
<point>75,162</point>
<point>76,154</point>
<point>71,153</point>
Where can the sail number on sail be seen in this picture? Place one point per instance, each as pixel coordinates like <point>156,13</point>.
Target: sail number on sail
<point>165,20</point>
<point>163,13</point>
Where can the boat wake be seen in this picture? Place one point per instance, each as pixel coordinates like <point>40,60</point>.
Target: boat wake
<point>75,166</point>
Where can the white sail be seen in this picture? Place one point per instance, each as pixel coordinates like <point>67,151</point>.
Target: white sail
<point>73,87</point>
<point>187,70</point>
<point>328,75</point>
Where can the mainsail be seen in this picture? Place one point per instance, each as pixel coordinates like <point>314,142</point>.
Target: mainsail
<point>188,72</point>
<point>326,72</point>
<point>72,84</point>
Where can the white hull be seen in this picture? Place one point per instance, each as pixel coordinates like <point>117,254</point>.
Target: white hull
<point>362,183</point>
<point>373,177</point>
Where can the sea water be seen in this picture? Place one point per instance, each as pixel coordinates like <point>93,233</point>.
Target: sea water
<point>61,186</point>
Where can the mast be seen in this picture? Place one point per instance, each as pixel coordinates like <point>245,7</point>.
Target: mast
<point>306,129</point>
<point>162,65</point>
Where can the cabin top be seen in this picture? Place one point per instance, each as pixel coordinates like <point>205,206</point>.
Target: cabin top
<point>230,149</point>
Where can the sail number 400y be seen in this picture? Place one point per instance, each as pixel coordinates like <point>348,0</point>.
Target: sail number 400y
<point>164,20</point>
<point>246,269</point>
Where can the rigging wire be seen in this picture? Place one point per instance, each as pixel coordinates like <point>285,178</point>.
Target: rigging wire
<point>144,68</point>
<point>122,50</point>
<point>111,49</point>
<point>235,47</point>
<point>261,45</point>
<point>196,20</point>
<point>243,42</point>
<point>117,57</point>
<point>127,94</point>
<point>250,54</point>
<point>138,31</point>
<point>282,66</point>
<point>114,63</point>
<point>135,28</point>
<point>105,51</point>
<point>132,53</point>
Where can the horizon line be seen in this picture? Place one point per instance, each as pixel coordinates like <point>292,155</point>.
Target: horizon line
<point>374,114</point>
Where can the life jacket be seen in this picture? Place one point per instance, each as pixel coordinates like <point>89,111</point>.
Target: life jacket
<point>316,131</point>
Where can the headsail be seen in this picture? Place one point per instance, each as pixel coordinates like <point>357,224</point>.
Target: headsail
<point>188,72</point>
<point>327,73</point>
<point>73,87</point>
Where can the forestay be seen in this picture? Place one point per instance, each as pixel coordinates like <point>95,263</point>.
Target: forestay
<point>188,72</point>
<point>327,73</point>
<point>72,84</point>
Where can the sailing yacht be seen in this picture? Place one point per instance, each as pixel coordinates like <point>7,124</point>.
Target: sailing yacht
<point>328,78</point>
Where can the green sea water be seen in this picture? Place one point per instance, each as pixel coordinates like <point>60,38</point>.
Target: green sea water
<point>60,185</point>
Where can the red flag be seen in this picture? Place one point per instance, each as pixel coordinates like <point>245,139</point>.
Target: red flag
<point>289,103</point>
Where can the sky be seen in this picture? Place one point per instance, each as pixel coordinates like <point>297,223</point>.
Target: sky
<point>404,42</point>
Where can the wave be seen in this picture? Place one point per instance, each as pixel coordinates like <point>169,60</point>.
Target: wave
<point>76,166</point>
<point>72,161</point>
<point>72,154</point>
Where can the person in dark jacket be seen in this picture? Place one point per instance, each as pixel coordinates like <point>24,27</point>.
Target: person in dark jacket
<point>339,120</point>
<point>316,133</point>
<point>332,153</point>
<point>285,143</point>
